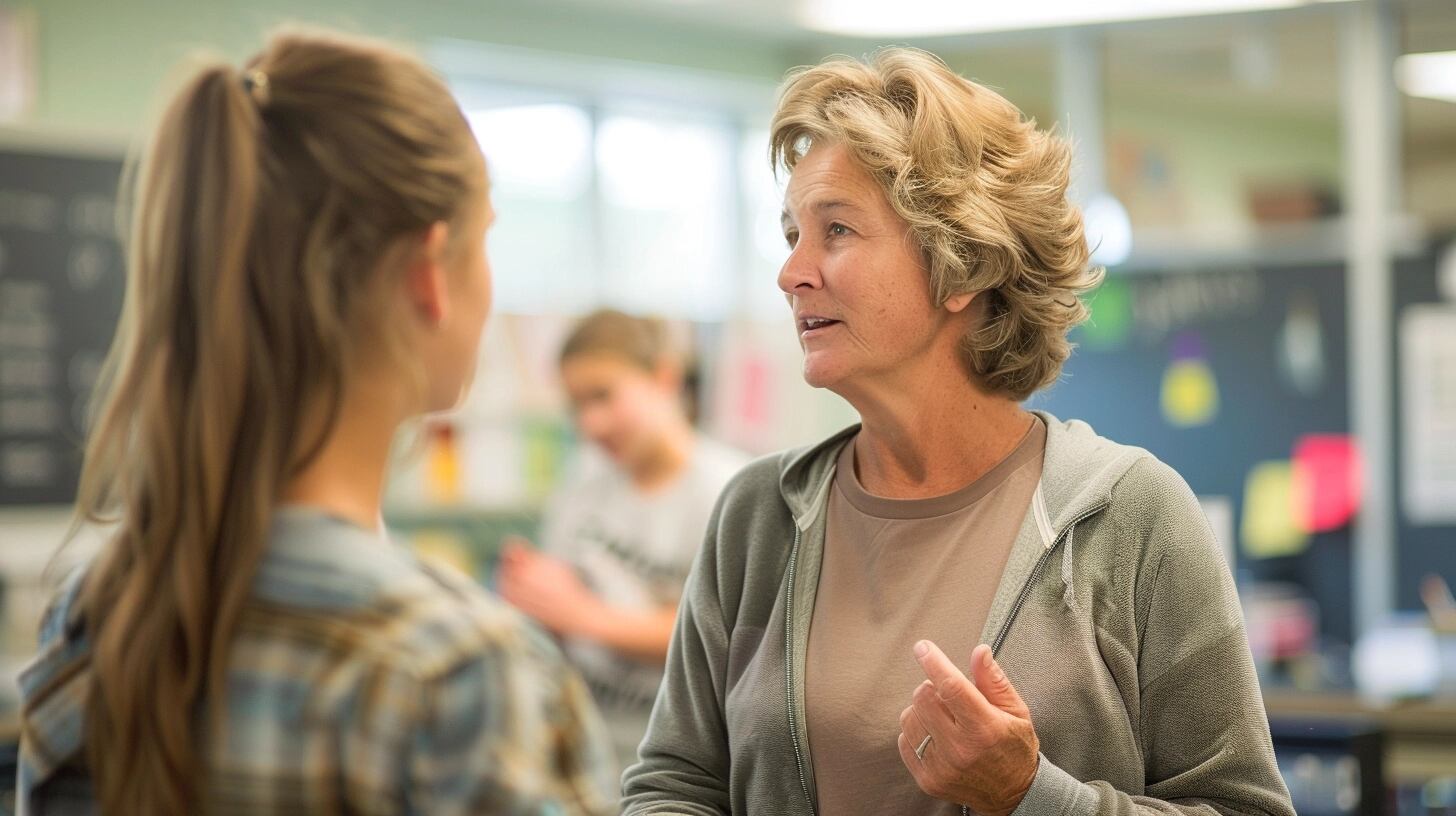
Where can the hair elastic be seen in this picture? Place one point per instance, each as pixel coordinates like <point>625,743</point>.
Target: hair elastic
<point>255,82</point>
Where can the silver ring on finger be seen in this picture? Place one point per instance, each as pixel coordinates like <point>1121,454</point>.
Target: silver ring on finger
<point>920,749</point>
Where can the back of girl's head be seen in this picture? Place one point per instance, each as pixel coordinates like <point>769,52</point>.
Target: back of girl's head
<point>267,205</point>
<point>641,341</point>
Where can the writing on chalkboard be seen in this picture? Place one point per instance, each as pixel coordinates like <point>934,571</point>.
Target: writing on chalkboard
<point>1164,303</point>
<point>61,282</point>
<point>27,210</point>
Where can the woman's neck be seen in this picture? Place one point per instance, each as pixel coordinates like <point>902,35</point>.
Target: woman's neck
<point>930,441</point>
<point>346,477</point>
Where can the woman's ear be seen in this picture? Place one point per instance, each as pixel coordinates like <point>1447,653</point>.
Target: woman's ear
<point>425,273</point>
<point>957,303</point>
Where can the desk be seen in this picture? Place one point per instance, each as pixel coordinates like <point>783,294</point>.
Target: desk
<point>1420,735</point>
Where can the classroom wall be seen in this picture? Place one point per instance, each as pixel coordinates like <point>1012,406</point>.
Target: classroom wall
<point>101,64</point>
<point>101,67</point>
<point>1214,154</point>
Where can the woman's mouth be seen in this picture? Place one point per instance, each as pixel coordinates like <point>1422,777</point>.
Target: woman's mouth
<point>809,326</point>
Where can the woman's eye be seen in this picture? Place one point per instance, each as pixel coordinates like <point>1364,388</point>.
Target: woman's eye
<point>838,230</point>
<point>791,238</point>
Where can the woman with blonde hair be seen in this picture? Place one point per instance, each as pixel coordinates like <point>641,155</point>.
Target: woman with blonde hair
<point>957,605</point>
<point>307,271</point>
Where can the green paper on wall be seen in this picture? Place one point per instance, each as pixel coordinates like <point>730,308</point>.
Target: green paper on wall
<point>1271,524</point>
<point>1111,315</point>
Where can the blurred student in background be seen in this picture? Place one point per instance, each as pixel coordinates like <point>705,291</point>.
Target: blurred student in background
<point>307,272</point>
<point>621,533</point>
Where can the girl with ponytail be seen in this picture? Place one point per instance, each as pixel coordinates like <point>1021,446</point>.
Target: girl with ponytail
<point>306,272</point>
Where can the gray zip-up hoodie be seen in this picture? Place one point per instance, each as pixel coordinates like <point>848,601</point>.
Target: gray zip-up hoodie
<point>1116,619</point>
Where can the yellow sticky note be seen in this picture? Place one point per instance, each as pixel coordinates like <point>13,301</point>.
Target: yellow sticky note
<point>1190,394</point>
<point>1271,527</point>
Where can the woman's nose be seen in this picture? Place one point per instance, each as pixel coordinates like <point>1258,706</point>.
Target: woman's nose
<point>800,271</point>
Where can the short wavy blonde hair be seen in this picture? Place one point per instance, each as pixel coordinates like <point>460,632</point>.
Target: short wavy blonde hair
<point>983,191</point>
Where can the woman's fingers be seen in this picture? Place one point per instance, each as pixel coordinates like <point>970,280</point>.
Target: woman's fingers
<point>961,697</point>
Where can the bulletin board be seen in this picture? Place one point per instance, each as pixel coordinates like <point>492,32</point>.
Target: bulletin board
<point>1216,371</point>
<point>62,275</point>
<point>1423,548</point>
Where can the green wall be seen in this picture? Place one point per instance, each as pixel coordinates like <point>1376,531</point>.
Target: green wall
<point>102,64</point>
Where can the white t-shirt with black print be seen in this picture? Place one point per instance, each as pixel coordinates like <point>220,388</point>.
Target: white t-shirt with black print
<point>634,550</point>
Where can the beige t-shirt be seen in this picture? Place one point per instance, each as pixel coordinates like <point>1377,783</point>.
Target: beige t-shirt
<point>896,571</point>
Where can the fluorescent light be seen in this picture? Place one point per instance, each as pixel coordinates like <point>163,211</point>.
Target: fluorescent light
<point>907,18</point>
<point>1432,75</point>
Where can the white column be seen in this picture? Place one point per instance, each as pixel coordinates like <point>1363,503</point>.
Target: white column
<point>1369,119</point>
<point>1080,109</point>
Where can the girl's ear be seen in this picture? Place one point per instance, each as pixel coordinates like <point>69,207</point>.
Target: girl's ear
<point>425,274</point>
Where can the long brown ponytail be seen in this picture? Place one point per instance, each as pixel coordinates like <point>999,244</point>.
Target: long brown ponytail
<point>263,207</point>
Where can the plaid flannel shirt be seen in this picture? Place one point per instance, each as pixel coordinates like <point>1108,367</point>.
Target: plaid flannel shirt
<point>362,682</point>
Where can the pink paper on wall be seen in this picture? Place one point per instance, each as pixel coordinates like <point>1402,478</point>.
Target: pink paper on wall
<point>753,394</point>
<point>1331,470</point>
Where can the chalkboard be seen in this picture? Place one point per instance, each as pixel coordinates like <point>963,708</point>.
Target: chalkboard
<point>1274,340</point>
<point>62,276</point>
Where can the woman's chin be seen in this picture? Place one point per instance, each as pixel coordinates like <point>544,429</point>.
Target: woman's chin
<point>821,373</point>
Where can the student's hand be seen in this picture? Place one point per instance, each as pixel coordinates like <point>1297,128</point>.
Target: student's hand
<point>546,588</point>
<point>983,751</point>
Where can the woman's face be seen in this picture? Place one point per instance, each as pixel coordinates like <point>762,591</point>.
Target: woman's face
<point>618,405</point>
<point>856,280</point>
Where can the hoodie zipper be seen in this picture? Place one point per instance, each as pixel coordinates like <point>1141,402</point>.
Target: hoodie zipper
<point>1021,597</point>
<point>789,668</point>
<point>1025,592</point>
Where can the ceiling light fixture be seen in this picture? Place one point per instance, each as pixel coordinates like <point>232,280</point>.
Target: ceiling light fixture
<point>1431,75</point>
<point>909,18</point>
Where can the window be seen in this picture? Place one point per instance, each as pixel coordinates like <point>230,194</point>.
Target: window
<point>604,199</point>
<point>669,231</point>
<point>540,161</point>
<point>766,251</point>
